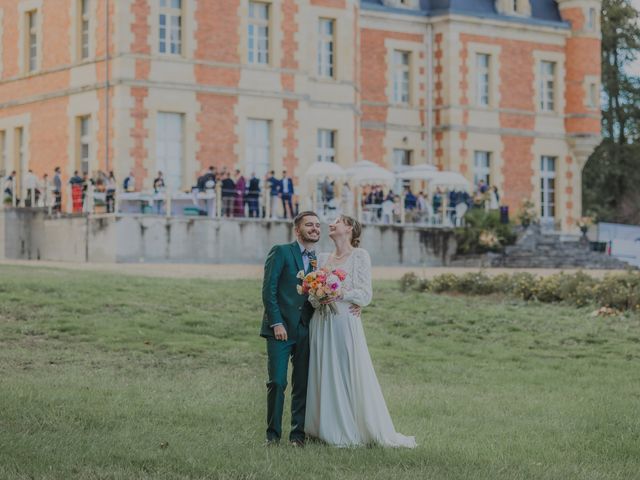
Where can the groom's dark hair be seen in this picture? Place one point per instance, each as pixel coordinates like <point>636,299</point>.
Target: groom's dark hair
<point>298,220</point>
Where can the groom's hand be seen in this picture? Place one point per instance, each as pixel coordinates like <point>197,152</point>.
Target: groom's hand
<point>280,332</point>
<point>355,309</point>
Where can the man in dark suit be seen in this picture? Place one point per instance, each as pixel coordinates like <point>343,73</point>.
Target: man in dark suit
<point>286,193</point>
<point>285,325</point>
<point>253,196</point>
<point>274,192</point>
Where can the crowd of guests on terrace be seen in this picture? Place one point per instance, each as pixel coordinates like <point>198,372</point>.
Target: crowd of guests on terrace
<point>242,195</point>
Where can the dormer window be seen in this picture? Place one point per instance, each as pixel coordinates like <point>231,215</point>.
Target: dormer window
<point>514,7</point>
<point>412,4</point>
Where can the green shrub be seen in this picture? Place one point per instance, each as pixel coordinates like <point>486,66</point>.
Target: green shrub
<point>483,232</point>
<point>475,283</point>
<point>447,282</point>
<point>408,281</point>
<point>616,291</point>
<point>621,291</point>
<point>522,285</point>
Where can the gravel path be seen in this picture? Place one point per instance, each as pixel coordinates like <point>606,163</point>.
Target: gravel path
<point>230,272</point>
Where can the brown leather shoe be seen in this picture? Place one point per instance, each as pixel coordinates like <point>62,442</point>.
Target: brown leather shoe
<point>274,442</point>
<point>297,443</point>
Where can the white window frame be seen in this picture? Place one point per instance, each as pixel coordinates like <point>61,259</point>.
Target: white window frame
<point>258,31</point>
<point>548,72</point>
<point>326,140</point>
<point>402,159</point>
<point>84,140</point>
<point>401,77</point>
<point>482,167</point>
<point>326,47</point>
<point>592,19</point>
<point>19,156</point>
<point>593,95</point>
<point>166,153</point>
<point>483,80</point>
<point>172,13</point>
<point>84,29</point>
<point>548,188</point>
<point>258,147</point>
<point>31,40</point>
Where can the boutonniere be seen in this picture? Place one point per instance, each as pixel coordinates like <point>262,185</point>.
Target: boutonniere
<point>314,264</point>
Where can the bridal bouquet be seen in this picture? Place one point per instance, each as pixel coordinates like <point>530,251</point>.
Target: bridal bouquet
<point>323,284</point>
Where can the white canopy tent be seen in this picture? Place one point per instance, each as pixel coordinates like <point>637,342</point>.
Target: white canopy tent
<point>365,172</point>
<point>450,180</point>
<point>418,172</point>
<point>321,170</point>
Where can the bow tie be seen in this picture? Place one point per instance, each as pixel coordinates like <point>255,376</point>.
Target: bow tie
<point>309,253</point>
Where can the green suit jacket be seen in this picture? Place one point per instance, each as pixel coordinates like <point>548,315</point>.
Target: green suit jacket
<point>282,302</point>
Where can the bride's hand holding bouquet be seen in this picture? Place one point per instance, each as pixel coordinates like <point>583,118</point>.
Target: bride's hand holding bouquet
<point>323,285</point>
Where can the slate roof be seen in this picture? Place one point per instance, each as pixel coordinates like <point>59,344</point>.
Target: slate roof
<point>543,12</point>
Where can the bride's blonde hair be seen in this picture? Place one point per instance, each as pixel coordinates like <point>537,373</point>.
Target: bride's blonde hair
<point>356,231</point>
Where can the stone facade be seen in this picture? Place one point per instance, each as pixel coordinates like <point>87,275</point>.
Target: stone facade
<point>400,79</point>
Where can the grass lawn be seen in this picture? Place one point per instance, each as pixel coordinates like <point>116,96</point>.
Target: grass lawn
<point>104,377</point>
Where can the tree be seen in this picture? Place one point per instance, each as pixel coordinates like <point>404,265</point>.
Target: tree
<point>611,178</point>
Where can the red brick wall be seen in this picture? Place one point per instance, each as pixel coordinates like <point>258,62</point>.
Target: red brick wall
<point>217,135</point>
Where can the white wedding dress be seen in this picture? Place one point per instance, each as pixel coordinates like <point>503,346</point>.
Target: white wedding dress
<point>345,406</point>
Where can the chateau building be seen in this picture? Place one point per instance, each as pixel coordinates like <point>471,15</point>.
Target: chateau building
<point>501,90</point>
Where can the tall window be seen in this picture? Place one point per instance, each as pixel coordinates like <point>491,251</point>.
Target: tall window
<point>258,34</point>
<point>483,63</point>
<point>547,188</point>
<point>19,156</point>
<point>83,29</point>
<point>401,160</point>
<point>258,147</point>
<point>84,143</point>
<point>482,167</point>
<point>170,148</point>
<point>32,40</point>
<point>547,86</point>
<point>592,19</point>
<point>401,76</point>
<point>326,47</point>
<point>326,145</point>
<point>170,32</point>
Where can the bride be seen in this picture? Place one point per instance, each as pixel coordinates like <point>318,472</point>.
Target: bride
<point>345,406</point>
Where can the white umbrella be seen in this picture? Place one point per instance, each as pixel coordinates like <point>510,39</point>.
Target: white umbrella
<point>325,169</point>
<point>449,179</point>
<point>417,172</point>
<point>366,172</point>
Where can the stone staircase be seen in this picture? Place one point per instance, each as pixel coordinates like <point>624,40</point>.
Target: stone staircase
<point>537,249</point>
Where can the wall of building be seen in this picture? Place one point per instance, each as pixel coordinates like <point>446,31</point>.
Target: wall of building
<point>32,235</point>
<point>217,91</point>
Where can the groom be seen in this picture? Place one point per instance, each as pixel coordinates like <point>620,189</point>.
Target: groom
<point>285,325</point>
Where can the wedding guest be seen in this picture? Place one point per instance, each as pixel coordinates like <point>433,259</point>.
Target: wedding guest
<point>76,179</point>
<point>494,198</point>
<point>286,193</point>
<point>228,195</point>
<point>111,192</point>
<point>129,183</point>
<point>421,202</point>
<point>57,190</point>
<point>274,192</point>
<point>253,196</point>
<point>437,200</point>
<point>241,186</point>
<point>31,186</point>
<point>8,185</point>
<point>158,183</point>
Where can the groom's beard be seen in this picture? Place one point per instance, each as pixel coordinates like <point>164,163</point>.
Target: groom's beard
<point>307,239</point>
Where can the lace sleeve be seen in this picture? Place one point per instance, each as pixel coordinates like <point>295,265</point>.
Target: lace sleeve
<point>361,293</point>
